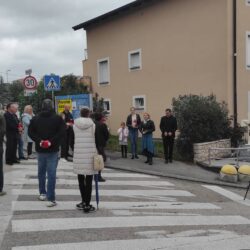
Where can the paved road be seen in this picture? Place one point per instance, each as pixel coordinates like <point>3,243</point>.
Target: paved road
<point>137,211</point>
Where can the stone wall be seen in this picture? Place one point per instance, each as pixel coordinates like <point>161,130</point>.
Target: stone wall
<point>201,150</point>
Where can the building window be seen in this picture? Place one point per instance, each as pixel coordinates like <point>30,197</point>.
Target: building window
<point>139,102</point>
<point>248,50</point>
<point>134,60</point>
<point>103,71</point>
<point>107,106</point>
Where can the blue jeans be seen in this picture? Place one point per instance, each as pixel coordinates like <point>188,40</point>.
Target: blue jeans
<point>20,147</point>
<point>133,135</point>
<point>47,163</point>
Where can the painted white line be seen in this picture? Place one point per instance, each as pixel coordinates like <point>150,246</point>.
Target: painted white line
<point>230,195</point>
<point>70,205</point>
<point>103,192</point>
<point>107,183</point>
<point>105,174</point>
<point>222,242</point>
<point>38,225</point>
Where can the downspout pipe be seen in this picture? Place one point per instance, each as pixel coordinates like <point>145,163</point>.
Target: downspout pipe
<point>235,113</point>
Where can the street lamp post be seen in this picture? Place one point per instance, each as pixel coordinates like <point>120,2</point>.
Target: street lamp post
<point>8,70</point>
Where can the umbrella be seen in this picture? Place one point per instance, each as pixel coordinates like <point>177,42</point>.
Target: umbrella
<point>96,190</point>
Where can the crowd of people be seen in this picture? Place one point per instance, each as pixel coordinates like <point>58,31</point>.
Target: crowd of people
<point>77,140</point>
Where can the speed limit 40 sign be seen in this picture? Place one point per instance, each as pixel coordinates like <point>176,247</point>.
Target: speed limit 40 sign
<point>30,83</point>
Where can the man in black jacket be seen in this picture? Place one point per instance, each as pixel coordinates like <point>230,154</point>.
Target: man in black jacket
<point>68,138</point>
<point>46,130</point>
<point>101,138</point>
<point>12,134</point>
<point>2,133</point>
<point>168,126</point>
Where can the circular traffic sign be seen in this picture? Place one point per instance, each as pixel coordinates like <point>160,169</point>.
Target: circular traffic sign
<point>30,82</point>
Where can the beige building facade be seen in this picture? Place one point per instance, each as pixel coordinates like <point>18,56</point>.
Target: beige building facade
<point>147,52</point>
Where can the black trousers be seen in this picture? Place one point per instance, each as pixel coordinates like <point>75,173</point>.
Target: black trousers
<point>11,148</point>
<point>85,186</point>
<point>168,144</point>
<point>29,148</point>
<point>124,150</point>
<point>67,141</point>
<point>1,167</point>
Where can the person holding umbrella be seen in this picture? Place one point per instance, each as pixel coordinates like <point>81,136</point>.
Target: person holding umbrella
<point>83,160</point>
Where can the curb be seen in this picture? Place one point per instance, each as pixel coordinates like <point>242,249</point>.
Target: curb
<point>179,177</point>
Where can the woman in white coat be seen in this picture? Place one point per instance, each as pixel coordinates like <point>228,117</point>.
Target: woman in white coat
<point>83,161</point>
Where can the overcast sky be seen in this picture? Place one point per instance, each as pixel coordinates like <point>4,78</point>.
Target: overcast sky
<point>38,35</point>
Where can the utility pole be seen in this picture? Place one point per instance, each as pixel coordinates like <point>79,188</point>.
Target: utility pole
<point>7,75</point>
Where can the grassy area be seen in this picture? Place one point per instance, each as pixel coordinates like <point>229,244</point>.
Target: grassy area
<point>113,145</point>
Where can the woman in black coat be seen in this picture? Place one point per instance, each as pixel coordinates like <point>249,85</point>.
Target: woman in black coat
<point>147,128</point>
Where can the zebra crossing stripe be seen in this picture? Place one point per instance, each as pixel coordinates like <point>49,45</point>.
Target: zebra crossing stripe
<point>103,192</point>
<point>70,205</point>
<point>230,195</point>
<point>39,225</point>
<point>108,183</point>
<point>105,174</point>
<point>222,242</point>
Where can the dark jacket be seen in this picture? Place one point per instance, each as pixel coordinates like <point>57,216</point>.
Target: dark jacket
<point>68,116</point>
<point>11,124</point>
<point>168,124</point>
<point>2,126</point>
<point>47,126</point>
<point>101,134</point>
<point>147,127</point>
<point>129,121</point>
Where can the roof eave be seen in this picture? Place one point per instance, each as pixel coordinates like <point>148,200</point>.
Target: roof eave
<point>109,15</point>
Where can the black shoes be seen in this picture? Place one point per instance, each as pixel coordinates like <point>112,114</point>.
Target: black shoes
<point>166,161</point>
<point>170,160</point>
<point>100,179</point>
<point>134,157</point>
<point>89,209</point>
<point>23,158</point>
<point>80,206</point>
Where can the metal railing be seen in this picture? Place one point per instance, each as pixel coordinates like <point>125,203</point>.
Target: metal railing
<point>236,154</point>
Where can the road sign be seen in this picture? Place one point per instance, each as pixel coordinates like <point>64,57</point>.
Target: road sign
<point>28,72</point>
<point>29,92</point>
<point>30,82</point>
<point>52,83</point>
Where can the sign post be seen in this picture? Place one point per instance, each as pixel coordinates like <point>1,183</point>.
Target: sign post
<point>52,83</point>
<point>30,85</point>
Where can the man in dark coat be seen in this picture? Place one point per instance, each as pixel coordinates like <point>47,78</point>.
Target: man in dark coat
<point>12,134</point>
<point>68,138</point>
<point>46,130</point>
<point>2,133</point>
<point>101,138</point>
<point>168,126</point>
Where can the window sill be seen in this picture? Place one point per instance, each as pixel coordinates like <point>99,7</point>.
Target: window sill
<point>103,83</point>
<point>135,68</point>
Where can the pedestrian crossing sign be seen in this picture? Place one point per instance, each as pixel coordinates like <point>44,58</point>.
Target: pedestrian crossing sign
<point>52,83</point>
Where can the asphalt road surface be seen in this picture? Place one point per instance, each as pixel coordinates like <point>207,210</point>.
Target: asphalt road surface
<point>136,212</point>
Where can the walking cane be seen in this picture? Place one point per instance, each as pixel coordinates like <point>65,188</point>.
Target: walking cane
<point>247,190</point>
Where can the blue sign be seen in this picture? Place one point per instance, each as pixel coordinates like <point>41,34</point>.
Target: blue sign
<point>78,102</point>
<point>52,83</point>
